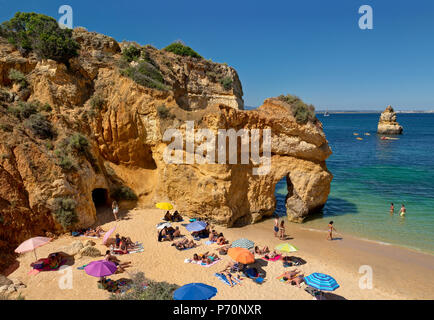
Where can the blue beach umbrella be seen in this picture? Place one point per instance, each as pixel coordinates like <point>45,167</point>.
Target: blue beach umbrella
<point>243,243</point>
<point>321,281</point>
<point>196,226</point>
<point>195,291</point>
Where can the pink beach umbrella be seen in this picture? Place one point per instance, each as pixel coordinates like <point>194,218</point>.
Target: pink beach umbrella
<point>100,268</point>
<point>108,234</point>
<point>32,244</point>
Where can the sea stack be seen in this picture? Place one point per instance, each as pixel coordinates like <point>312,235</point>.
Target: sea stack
<point>388,123</point>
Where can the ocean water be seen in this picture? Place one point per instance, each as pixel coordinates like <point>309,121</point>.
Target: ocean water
<point>371,173</point>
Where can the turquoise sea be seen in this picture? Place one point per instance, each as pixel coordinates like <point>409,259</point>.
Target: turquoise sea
<point>371,173</point>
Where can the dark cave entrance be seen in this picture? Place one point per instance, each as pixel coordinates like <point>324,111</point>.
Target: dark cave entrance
<point>283,189</point>
<point>100,197</point>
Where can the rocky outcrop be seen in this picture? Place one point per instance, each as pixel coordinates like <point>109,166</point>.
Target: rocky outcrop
<point>388,123</point>
<point>124,123</point>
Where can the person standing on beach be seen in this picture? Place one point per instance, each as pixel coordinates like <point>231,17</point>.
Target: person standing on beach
<point>403,210</point>
<point>115,208</point>
<point>282,230</point>
<point>276,227</point>
<point>331,228</point>
<point>392,208</point>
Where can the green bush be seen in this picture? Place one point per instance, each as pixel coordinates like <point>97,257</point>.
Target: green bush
<point>45,107</point>
<point>145,74</point>
<point>97,102</point>
<point>164,112</point>
<point>6,127</point>
<point>18,77</point>
<point>123,193</point>
<point>132,53</point>
<point>301,111</point>
<point>23,110</point>
<point>41,34</point>
<point>182,50</point>
<point>226,83</point>
<point>145,289</point>
<point>78,143</point>
<point>64,212</point>
<point>40,126</point>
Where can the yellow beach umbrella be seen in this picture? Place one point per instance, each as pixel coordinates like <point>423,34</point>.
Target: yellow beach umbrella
<point>286,247</point>
<point>164,206</point>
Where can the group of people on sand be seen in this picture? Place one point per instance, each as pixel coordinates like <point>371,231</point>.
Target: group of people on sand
<point>176,217</point>
<point>279,229</point>
<point>295,277</point>
<point>169,233</point>
<point>123,244</point>
<point>53,261</point>
<point>184,243</point>
<point>206,257</point>
<point>217,238</point>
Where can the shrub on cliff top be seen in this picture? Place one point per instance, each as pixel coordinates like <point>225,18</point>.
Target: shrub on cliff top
<point>300,110</point>
<point>41,34</point>
<point>64,212</point>
<point>145,74</point>
<point>226,83</point>
<point>23,110</point>
<point>131,53</point>
<point>182,50</point>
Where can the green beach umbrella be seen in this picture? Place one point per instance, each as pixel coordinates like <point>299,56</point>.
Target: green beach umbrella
<point>286,247</point>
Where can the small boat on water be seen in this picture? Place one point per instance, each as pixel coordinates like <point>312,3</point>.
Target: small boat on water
<point>358,138</point>
<point>388,138</point>
<point>355,133</point>
<point>326,114</point>
<point>367,134</point>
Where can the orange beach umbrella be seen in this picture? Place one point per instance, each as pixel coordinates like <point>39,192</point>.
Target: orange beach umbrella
<point>241,255</point>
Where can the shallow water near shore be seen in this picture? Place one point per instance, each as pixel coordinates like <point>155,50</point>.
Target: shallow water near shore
<point>371,173</point>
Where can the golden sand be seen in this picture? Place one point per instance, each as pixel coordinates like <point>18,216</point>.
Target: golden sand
<point>397,273</point>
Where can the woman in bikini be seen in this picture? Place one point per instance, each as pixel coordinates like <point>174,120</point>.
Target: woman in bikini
<point>120,265</point>
<point>331,229</point>
<point>231,278</point>
<point>282,230</point>
<point>289,275</point>
<point>208,259</point>
<point>276,227</point>
<point>271,255</point>
<point>221,240</point>
<point>263,251</point>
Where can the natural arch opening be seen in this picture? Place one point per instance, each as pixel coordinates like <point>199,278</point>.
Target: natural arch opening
<point>100,197</point>
<point>283,190</point>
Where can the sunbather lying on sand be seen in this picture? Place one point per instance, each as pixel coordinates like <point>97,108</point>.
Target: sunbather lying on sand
<point>184,244</point>
<point>120,265</point>
<point>97,232</point>
<point>271,255</point>
<point>198,257</point>
<point>289,275</point>
<point>297,280</point>
<point>224,250</point>
<point>221,239</point>
<point>208,259</point>
<point>234,267</point>
<point>231,278</point>
<point>263,251</point>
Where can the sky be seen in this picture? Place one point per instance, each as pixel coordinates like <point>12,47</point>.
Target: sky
<point>311,48</point>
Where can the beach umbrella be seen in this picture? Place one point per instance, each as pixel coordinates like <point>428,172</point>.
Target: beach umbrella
<point>241,255</point>
<point>196,226</point>
<point>108,234</point>
<point>321,281</point>
<point>32,244</point>
<point>243,243</point>
<point>161,225</point>
<point>100,268</point>
<point>164,206</point>
<point>195,291</point>
<point>286,247</point>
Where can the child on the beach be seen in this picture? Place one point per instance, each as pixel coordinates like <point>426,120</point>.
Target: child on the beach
<point>282,230</point>
<point>331,228</point>
<point>276,227</point>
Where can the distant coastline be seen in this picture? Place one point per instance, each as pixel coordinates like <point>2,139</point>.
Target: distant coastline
<point>357,111</point>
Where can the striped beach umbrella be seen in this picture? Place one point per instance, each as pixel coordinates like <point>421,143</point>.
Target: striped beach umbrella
<point>321,281</point>
<point>243,243</point>
<point>286,247</point>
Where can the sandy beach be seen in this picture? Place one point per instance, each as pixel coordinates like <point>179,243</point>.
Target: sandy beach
<point>397,273</point>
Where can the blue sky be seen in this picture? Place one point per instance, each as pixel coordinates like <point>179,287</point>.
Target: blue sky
<point>311,48</point>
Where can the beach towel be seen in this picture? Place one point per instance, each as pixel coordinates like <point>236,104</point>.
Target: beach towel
<point>200,263</point>
<point>82,267</point>
<point>46,268</point>
<point>209,242</point>
<point>137,249</point>
<point>184,248</point>
<point>223,278</point>
<point>274,259</point>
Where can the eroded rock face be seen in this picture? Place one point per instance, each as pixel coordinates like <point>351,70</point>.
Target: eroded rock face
<point>125,131</point>
<point>387,123</point>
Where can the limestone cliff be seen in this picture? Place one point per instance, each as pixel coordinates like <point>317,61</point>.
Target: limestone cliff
<point>387,123</point>
<point>107,133</point>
